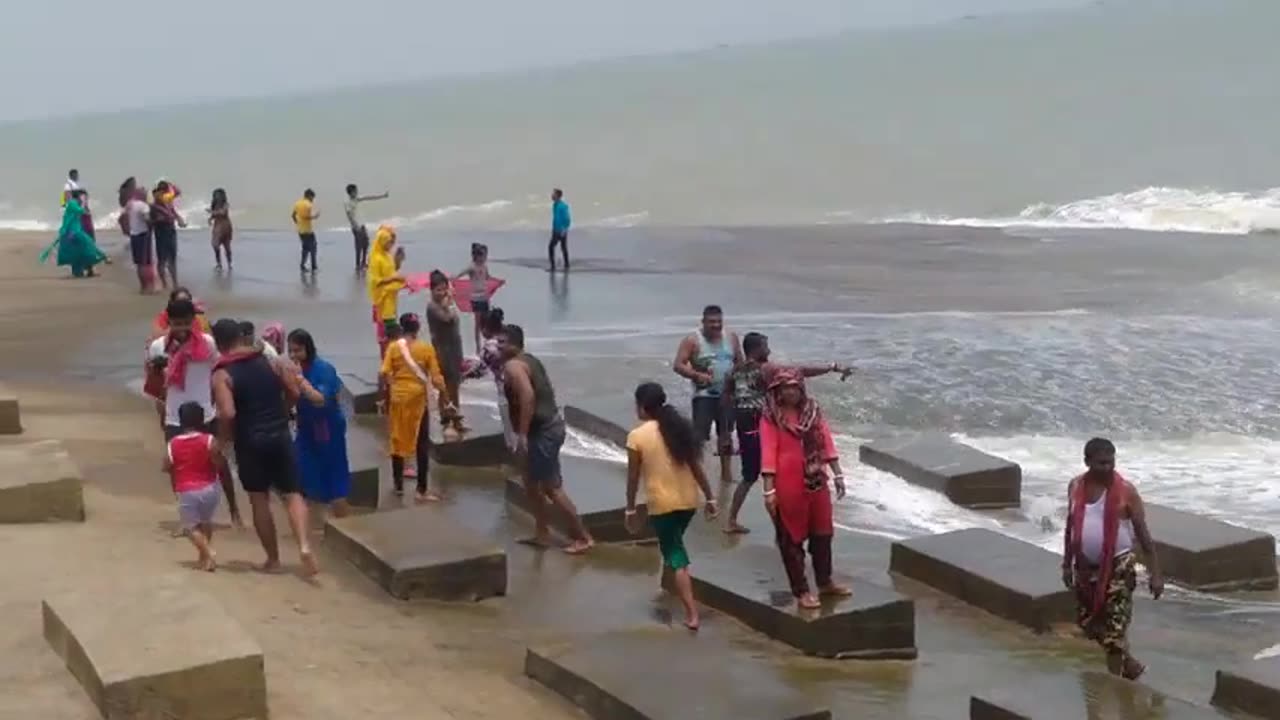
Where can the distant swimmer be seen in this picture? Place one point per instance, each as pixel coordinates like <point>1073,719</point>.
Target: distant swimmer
<point>358,231</point>
<point>71,186</point>
<point>561,220</point>
<point>1105,519</point>
<point>706,358</point>
<point>304,214</point>
<point>220,229</point>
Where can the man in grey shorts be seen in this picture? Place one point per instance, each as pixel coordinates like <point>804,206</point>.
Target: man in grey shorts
<point>540,433</point>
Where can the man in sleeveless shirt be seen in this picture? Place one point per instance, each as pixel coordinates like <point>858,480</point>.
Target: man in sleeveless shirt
<point>540,433</point>
<point>1105,518</point>
<point>706,358</point>
<point>253,395</point>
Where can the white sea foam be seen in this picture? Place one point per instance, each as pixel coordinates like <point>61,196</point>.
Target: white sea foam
<point>1163,209</point>
<point>428,217</point>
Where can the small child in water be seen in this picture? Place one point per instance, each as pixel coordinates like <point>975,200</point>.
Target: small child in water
<point>193,460</point>
<point>478,273</point>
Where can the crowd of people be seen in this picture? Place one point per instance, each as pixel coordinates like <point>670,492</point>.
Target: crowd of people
<point>268,410</point>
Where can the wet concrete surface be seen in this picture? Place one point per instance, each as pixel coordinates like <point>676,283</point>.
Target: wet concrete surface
<point>657,674</point>
<point>1208,554</point>
<point>597,425</point>
<point>1006,577</point>
<point>416,553</point>
<point>1252,687</point>
<point>966,475</point>
<point>598,489</point>
<point>1096,696</point>
<point>750,585</point>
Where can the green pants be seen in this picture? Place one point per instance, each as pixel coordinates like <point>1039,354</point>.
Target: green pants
<point>670,528</point>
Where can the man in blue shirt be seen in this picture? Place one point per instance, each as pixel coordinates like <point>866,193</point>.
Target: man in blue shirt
<point>560,222</point>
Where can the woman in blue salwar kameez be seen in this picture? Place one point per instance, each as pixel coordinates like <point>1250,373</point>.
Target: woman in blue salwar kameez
<point>321,440</point>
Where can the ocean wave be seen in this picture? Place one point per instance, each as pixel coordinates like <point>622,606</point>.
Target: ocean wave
<point>1161,209</point>
<point>436,214</point>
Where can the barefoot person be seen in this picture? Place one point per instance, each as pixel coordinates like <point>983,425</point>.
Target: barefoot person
<point>478,275</point>
<point>184,357</point>
<point>304,216</point>
<point>359,233</point>
<point>409,367</point>
<point>135,219</point>
<point>220,230</point>
<point>706,357</point>
<point>796,451</point>
<point>76,248</point>
<point>744,395</point>
<point>561,220</point>
<point>665,452</point>
<point>445,323</point>
<point>252,395</point>
<point>321,439</point>
<point>165,222</point>
<point>194,462</point>
<point>1105,517</point>
<point>384,284</point>
<point>540,432</point>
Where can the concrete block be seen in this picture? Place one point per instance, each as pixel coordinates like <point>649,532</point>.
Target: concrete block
<point>39,483</point>
<point>663,675</point>
<point>420,553</point>
<point>1092,694</point>
<point>593,424</point>
<point>10,415</point>
<point>361,392</point>
<point>1253,688</point>
<point>1209,554</point>
<point>157,649</point>
<point>750,586</point>
<point>599,489</point>
<point>967,476</point>
<point>1006,577</point>
<point>366,488</point>
<point>474,451</point>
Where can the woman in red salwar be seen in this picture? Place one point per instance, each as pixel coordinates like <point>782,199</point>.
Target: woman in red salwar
<point>796,452</point>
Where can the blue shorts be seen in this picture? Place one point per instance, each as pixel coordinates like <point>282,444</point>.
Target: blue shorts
<point>544,454</point>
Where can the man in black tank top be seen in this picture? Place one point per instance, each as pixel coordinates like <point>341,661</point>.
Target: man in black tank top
<point>540,433</point>
<point>253,395</point>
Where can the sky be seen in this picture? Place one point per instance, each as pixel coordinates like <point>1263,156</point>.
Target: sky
<point>79,53</point>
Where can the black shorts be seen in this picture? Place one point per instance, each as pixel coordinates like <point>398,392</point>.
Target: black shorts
<point>361,237</point>
<point>480,307</point>
<point>708,411</point>
<point>166,244</point>
<point>308,241</point>
<point>140,249</point>
<point>268,465</point>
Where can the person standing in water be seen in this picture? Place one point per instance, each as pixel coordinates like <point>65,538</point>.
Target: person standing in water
<point>706,358</point>
<point>667,454</point>
<point>165,221</point>
<point>304,215</point>
<point>220,230</point>
<point>71,186</point>
<point>561,220</point>
<point>478,275</point>
<point>409,367</point>
<point>540,433</point>
<point>136,220</point>
<point>1105,517</point>
<point>444,322</point>
<point>359,233</point>
<point>253,395</point>
<point>744,397</point>
<point>796,451</point>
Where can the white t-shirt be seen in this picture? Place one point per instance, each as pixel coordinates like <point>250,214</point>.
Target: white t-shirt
<point>71,186</point>
<point>139,214</point>
<point>199,384</point>
<point>352,206</point>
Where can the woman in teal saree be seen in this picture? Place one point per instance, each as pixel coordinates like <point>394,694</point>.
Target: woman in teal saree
<point>76,248</point>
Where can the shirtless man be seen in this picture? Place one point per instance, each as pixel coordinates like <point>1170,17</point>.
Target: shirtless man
<point>540,432</point>
<point>706,358</point>
<point>253,394</point>
<point>1105,517</point>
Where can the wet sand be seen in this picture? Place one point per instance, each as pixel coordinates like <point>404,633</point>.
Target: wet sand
<point>344,648</point>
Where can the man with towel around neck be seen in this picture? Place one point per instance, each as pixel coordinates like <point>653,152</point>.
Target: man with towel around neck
<point>1105,517</point>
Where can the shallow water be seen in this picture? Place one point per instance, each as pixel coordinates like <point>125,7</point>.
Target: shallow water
<point>1023,344</point>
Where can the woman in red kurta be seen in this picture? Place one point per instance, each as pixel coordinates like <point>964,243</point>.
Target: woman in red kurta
<point>796,451</point>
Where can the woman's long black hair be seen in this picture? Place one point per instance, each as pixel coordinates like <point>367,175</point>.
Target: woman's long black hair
<point>303,339</point>
<point>677,432</point>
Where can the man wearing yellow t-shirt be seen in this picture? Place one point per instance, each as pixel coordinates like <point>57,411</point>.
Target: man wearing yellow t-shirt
<point>304,211</point>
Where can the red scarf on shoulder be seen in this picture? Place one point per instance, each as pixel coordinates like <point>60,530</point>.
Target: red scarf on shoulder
<point>194,349</point>
<point>1117,493</point>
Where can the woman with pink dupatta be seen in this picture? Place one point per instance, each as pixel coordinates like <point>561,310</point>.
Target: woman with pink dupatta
<point>796,451</point>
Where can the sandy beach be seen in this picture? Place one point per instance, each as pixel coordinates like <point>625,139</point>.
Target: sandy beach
<point>334,650</point>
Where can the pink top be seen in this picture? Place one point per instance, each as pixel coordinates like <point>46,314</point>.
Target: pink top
<point>191,457</point>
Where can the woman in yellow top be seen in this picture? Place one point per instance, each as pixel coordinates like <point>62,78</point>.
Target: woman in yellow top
<point>385,282</point>
<point>408,367</point>
<point>666,452</point>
